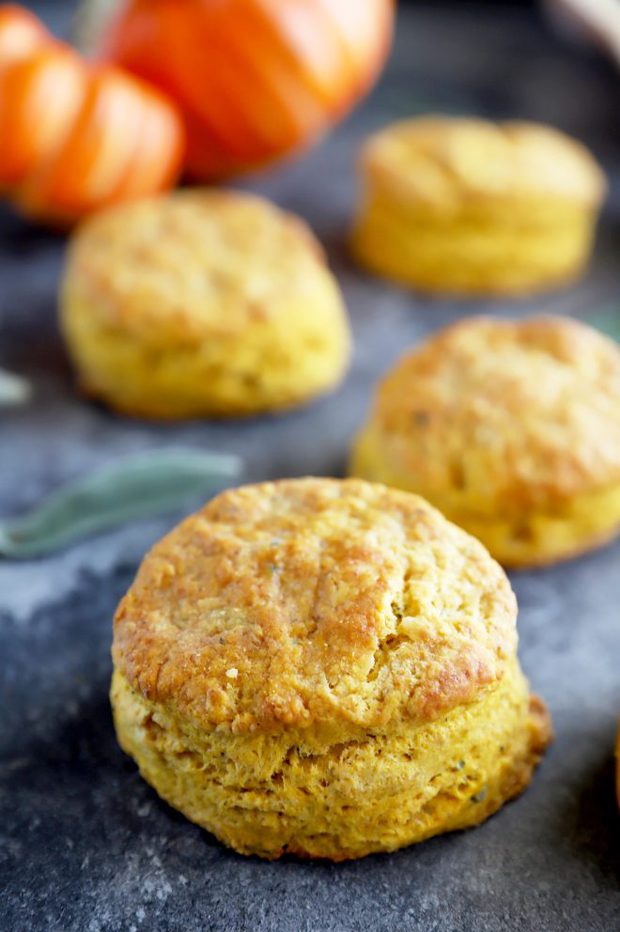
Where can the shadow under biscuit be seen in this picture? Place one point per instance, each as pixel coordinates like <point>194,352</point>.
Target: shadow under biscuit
<point>593,821</point>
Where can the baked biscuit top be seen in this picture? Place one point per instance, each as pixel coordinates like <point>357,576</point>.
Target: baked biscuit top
<point>176,268</point>
<point>506,413</point>
<point>446,161</point>
<point>315,601</point>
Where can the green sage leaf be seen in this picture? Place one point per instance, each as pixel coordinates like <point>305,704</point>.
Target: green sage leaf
<point>607,320</point>
<point>135,487</point>
<point>14,390</point>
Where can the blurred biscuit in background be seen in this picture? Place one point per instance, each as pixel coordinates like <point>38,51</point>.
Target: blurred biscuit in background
<point>462,205</point>
<point>511,428</point>
<point>202,303</point>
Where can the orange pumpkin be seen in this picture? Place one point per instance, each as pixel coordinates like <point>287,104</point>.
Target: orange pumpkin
<point>21,33</point>
<point>254,79</point>
<point>39,95</point>
<point>124,141</point>
<point>77,137</point>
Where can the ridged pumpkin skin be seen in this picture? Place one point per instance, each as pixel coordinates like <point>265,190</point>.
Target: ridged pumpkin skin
<point>255,79</point>
<point>77,137</point>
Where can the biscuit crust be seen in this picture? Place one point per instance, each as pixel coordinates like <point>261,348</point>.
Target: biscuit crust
<point>512,429</point>
<point>333,601</point>
<point>202,302</point>
<point>443,163</point>
<point>325,668</point>
<point>468,206</point>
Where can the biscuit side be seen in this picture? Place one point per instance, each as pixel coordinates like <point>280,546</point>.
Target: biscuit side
<point>303,792</point>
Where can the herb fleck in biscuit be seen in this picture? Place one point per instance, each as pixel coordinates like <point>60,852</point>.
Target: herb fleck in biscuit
<point>199,303</point>
<point>326,668</point>
<point>464,205</point>
<point>512,429</point>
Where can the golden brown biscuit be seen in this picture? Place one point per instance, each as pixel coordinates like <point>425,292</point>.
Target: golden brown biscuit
<point>326,668</point>
<point>465,205</point>
<point>512,429</point>
<point>202,302</point>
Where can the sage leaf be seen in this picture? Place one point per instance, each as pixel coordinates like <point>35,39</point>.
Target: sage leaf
<point>14,390</point>
<point>607,321</point>
<point>135,487</point>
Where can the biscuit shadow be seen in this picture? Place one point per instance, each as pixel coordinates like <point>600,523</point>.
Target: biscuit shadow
<point>36,351</point>
<point>335,242</point>
<point>592,822</point>
<point>607,552</point>
<point>80,740</point>
<point>78,781</point>
<point>221,423</point>
<point>22,237</point>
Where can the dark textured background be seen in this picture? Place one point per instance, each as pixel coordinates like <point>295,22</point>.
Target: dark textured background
<point>84,843</point>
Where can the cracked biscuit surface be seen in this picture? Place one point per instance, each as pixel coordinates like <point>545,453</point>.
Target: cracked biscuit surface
<point>465,205</point>
<point>200,303</point>
<point>326,668</point>
<point>511,428</point>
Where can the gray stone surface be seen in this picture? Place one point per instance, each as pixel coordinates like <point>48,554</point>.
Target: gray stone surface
<point>84,843</point>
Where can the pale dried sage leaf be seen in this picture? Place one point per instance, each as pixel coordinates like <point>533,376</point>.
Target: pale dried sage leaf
<point>607,320</point>
<point>135,487</point>
<point>14,389</point>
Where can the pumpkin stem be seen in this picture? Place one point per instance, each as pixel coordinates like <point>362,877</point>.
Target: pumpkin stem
<point>90,20</point>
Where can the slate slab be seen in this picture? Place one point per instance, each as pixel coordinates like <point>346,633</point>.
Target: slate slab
<point>84,843</point>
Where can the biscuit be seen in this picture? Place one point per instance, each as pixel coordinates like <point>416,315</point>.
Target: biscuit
<point>326,668</point>
<point>511,429</point>
<point>467,206</point>
<point>202,303</point>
